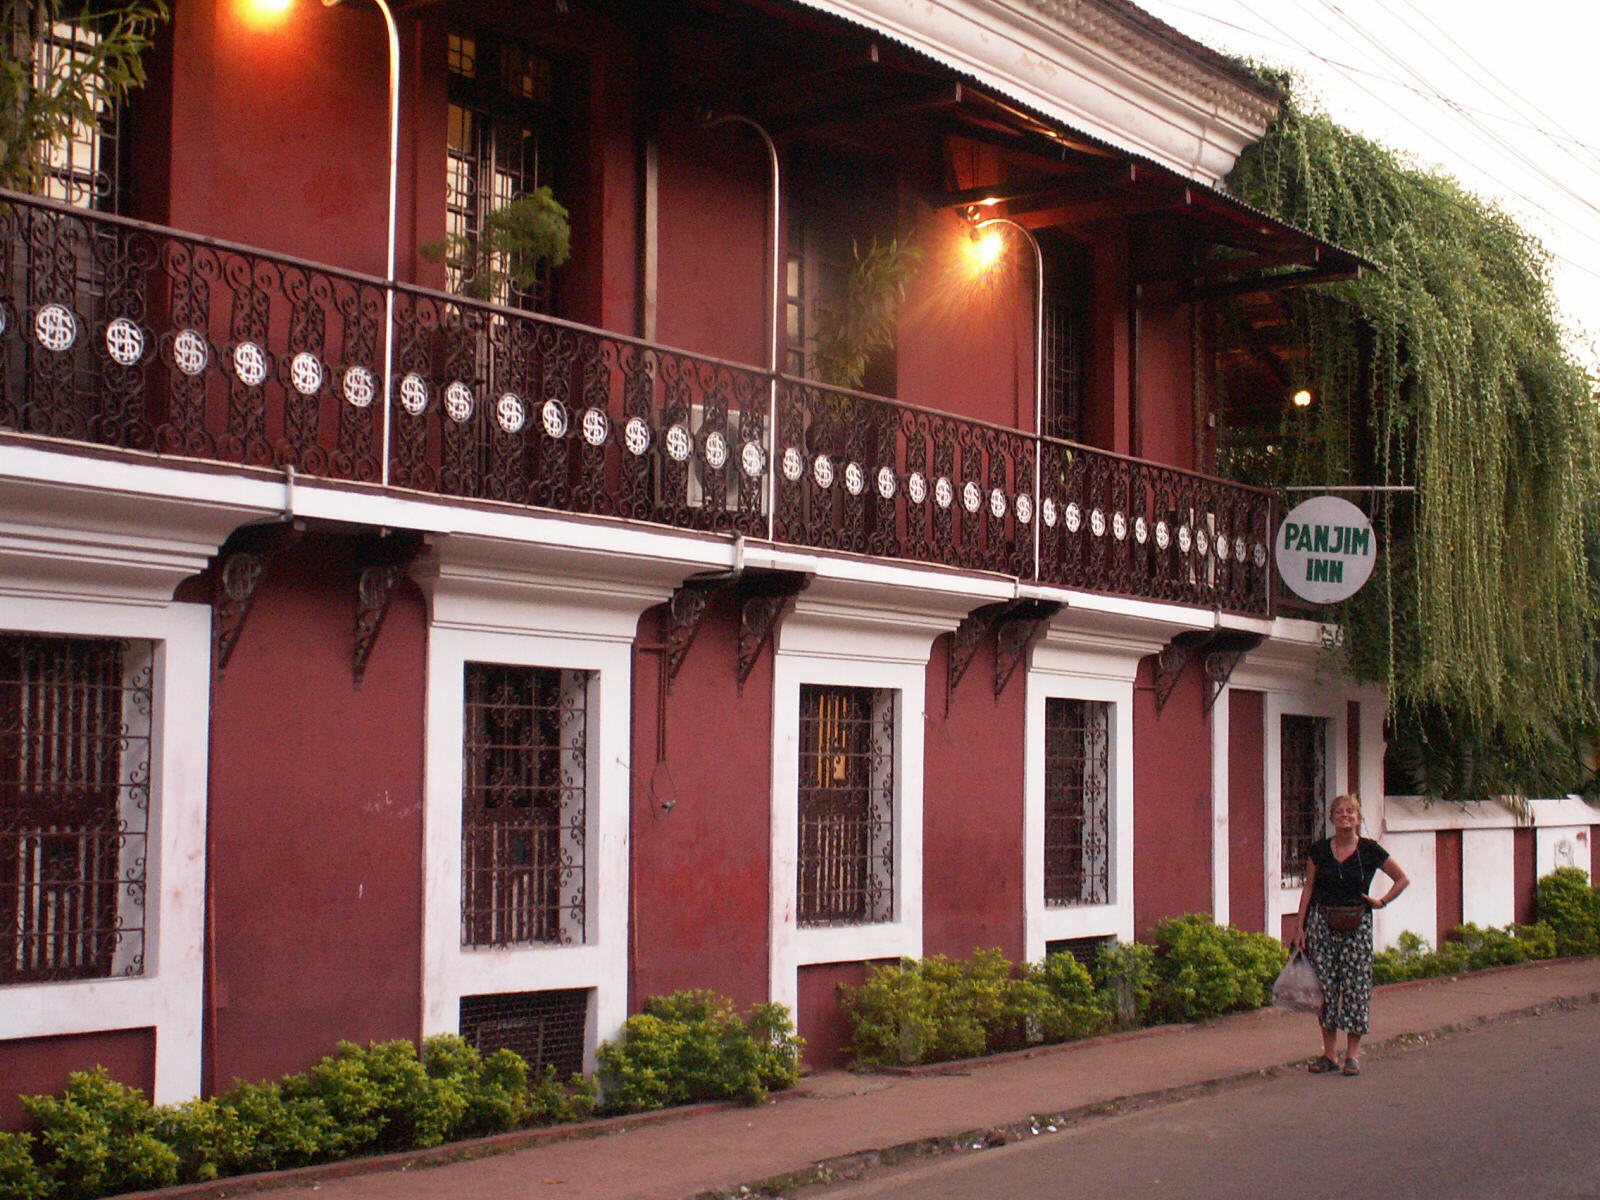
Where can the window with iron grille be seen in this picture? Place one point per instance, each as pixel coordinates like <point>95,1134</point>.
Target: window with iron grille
<point>1077,802</point>
<point>524,806</point>
<point>846,853</point>
<point>1085,949</point>
<point>85,169</point>
<point>74,806</point>
<point>498,148</point>
<point>1303,749</point>
<point>1065,335</point>
<point>546,1028</point>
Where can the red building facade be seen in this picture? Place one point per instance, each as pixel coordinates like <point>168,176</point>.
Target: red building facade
<point>385,657</point>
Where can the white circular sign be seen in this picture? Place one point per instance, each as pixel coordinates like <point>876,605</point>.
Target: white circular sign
<point>1325,549</point>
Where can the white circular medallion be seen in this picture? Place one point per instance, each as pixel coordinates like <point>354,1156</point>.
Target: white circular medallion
<point>511,414</point>
<point>636,435</point>
<point>1184,539</point>
<point>1097,523</point>
<point>1224,547</point>
<point>1200,542</point>
<point>250,364</point>
<point>124,342</point>
<point>305,373</point>
<point>553,415</point>
<point>794,465</point>
<point>55,327</point>
<point>1239,548</point>
<point>596,426</point>
<point>1163,535</point>
<point>997,504</point>
<point>190,353</point>
<point>716,450</point>
<point>1141,530</point>
<point>1073,516</point>
<point>886,482</point>
<point>458,402</point>
<point>1048,511</point>
<point>855,479</point>
<point>753,459</point>
<point>679,443</point>
<point>414,394</point>
<point>1119,526</point>
<point>917,487</point>
<point>4,321</point>
<point>1260,554</point>
<point>822,471</point>
<point>1024,508</point>
<point>358,387</point>
<point>943,492</point>
<point>971,496</point>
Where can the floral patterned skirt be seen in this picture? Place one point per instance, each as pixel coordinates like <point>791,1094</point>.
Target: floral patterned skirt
<point>1344,965</point>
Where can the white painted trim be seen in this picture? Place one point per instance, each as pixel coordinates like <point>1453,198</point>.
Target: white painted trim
<point>168,995</point>
<point>489,605</point>
<point>1488,877</point>
<point>1085,67</point>
<point>1221,847</point>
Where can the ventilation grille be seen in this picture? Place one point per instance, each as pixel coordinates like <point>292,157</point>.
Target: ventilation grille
<point>1085,949</point>
<point>545,1028</point>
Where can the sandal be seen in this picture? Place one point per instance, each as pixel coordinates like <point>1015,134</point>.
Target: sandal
<point>1351,1067</point>
<point>1323,1065</point>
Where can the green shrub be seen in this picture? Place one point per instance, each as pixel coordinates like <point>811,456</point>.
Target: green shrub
<point>551,1102</point>
<point>1067,1004</point>
<point>777,1046</point>
<point>904,1013</point>
<point>1571,908</point>
<point>1204,969</point>
<point>1125,973</point>
<point>1402,961</point>
<point>98,1138</point>
<point>692,1046</point>
<point>1538,939</point>
<point>274,1126</point>
<point>1451,958</point>
<point>19,1174</point>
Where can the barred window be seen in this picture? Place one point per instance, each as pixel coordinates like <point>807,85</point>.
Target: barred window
<point>846,853</point>
<point>524,806</point>
<point>1077,802</point>
<point>84,170</point>
<point>498,148</point>
<point>74,806</point>
<point>1303,749</point>
<point>548,1029</point>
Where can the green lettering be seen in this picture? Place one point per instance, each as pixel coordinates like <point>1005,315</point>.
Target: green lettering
<point>1360,542</point>
<point>1291,532</point>
<point>1320,542</point>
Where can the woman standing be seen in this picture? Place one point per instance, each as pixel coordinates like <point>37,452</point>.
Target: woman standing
<point>1338,934</point>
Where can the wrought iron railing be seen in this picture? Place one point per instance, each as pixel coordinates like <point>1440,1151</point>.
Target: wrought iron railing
<point>125,334</point>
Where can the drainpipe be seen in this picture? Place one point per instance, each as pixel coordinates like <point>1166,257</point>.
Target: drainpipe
<point>775,309</point>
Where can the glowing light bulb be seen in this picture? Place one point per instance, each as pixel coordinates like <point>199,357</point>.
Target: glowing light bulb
<point>1302,398</point>
<point>986,249</point>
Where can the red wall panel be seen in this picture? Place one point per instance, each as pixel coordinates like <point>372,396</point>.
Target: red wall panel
<point>1447,869</point>
<point>1171,799</point>
<point>1247,811</point>
<point>1525,864</point>
<point>701,872</point>
<point>972,809</point>
<point>820,1018</point>
<point>40,1066</point>
<point>316,823</point>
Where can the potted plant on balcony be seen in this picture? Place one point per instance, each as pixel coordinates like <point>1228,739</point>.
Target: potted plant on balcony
<point>517,240</point>
<point>863,322</point>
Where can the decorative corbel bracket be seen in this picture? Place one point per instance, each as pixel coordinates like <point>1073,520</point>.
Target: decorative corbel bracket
<point>384,561</point>
<point>765,595</point>
<point>1225,652</point>
<point>969,635</point>
<point>241,563</point>
<point>1015,631</point>
<point>1173,659</point>
<point>681,620</point>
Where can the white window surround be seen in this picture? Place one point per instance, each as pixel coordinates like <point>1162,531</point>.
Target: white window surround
<point>78,562</point>
<point>503,603</point>
<point>851,643</point>
<point>1084,656</point>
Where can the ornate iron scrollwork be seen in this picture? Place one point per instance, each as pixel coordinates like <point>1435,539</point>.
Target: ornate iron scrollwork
<point>680,622</point>
<point>386,562</point>
<point>1226,651</point>
<point>766,594</point>
<point>1173,659</point>
<point>1013,623</point>
<point>240,565</point>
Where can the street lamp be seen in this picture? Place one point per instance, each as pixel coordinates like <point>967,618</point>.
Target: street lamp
<point>394,189</point>
<point>991,252</point>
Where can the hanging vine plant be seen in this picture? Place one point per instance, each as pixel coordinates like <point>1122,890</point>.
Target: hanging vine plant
<point>1444,371</point>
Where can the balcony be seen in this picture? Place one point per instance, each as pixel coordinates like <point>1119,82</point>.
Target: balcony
<point>126,335</point>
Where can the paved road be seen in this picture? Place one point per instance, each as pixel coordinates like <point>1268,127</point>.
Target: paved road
<point>1508,1111</point>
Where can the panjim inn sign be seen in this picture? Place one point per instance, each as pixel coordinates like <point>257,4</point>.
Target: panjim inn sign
<point>1325,549</point>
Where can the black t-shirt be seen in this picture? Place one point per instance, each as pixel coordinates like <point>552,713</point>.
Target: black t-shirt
<point>1341,883</point>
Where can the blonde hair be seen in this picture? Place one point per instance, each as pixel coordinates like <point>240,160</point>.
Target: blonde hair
<point>1340,799</point>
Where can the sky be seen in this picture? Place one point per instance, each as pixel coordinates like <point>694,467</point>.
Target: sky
<point>1503,96</point>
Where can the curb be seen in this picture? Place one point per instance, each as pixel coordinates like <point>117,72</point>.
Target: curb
<point>861,1163</point>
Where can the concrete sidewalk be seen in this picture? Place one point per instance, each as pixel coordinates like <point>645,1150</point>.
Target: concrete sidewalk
<point>835,1123</point>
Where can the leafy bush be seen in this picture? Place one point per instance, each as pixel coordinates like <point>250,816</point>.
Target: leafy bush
<point>1402,961</point>
<point>1125,973</point>
<point>1204,969</point>
<point>19,1174</point>
<point>936,1009</point>
<point>97,1138</point>
<point>1068,1006</point>
<point>1571,908</point>
<point>692,1046</point>
<point>1504,947</point>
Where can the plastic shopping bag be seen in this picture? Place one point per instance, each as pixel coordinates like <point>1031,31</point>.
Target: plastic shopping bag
<point>1297,986</point>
